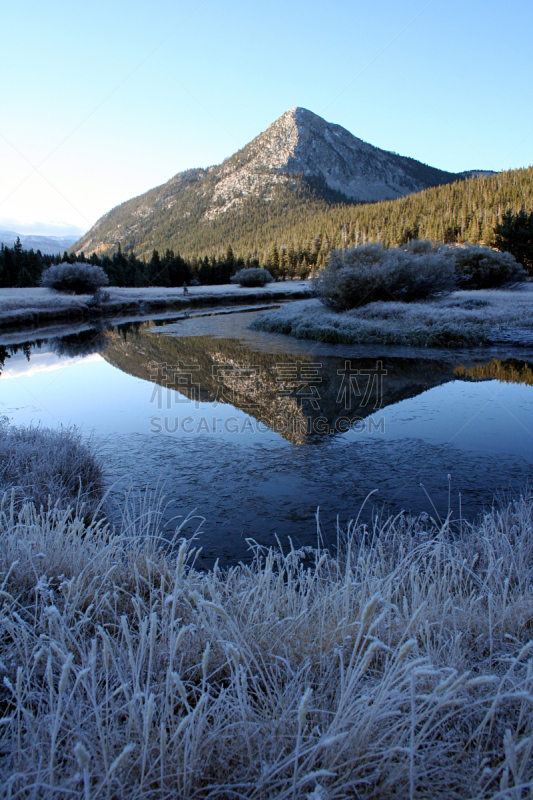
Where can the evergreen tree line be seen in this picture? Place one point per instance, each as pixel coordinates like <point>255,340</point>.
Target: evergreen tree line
<point>479,211</point>
<point>23,268</point>
<point>20,267</point>
<point>294,233</point>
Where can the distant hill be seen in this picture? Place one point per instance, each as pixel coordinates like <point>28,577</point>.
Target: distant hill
<point>476,173</point>
<point>48,245</point>
<point>300,164</point>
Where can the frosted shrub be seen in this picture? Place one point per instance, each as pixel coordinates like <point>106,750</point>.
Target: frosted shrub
<point>252,277</point>
<point>483,268</point>
<point>78,278</point>
<point>49,466</point>
<point>365,274</point>
<point>418,246</point>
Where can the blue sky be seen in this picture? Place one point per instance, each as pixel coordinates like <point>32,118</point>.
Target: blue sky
<point>107,99</point>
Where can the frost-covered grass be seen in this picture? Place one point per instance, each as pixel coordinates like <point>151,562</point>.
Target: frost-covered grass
<point>18,306</point>
<point>49,467</point>
<point>14,302</point>
<point>461,319</point>
<point>402,668</point>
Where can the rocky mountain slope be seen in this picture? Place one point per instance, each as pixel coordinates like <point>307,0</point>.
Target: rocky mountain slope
<point>299,159</point>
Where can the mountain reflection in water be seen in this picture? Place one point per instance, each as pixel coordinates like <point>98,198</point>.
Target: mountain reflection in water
<point>320,409</point>
<point>299,396</point>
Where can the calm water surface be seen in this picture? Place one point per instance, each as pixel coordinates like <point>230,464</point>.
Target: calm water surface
<point>254,432</point>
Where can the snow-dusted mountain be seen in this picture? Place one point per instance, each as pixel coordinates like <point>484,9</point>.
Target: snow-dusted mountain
<point>300,142</point>
<point>48,245</point>
<point>300,149</point>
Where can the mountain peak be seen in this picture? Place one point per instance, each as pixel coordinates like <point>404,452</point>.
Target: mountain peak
<point>302,143</point>
<point>300,112</point>
<point>299,149</point>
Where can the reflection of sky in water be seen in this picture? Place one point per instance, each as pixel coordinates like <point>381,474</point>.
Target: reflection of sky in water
<point>94,395</point>
<point>487,416</point>
<point>18,366</point>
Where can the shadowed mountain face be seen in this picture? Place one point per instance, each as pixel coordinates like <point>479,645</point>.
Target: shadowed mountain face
<point>300,154</point>
<point>298,396</point>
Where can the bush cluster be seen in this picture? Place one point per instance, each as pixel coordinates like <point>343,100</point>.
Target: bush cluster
<point>417,271</point>
<point>252,277</point>
<point>483,268</point>
<point>78,278</point>
<point>365,274</point>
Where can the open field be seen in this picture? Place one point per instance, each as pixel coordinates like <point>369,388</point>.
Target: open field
<point>32,306</point>
<point>464,318</point>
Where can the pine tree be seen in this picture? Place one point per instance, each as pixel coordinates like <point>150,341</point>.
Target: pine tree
<point>515,235</point>
<point>273,263</point>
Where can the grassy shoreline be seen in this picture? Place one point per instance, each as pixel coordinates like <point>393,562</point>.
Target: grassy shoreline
<point>462,319</point>
<point>401,666</point>
<point>37,306</point>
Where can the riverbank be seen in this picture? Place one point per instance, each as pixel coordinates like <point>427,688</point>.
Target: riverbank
<point>461,319</point>
<point>402,665</point>
<point>31,307</point>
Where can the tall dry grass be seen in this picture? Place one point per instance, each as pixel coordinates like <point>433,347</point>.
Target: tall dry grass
<point>401,668</point>
<point>50,467</point>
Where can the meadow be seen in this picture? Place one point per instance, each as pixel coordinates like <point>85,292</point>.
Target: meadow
<point>460,319</point>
